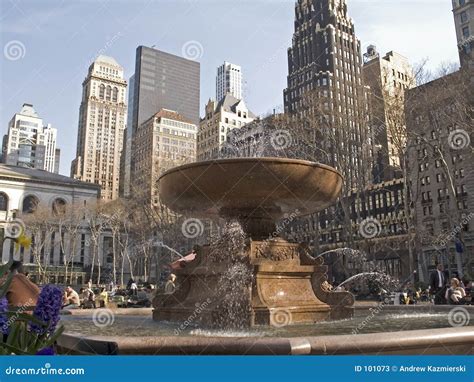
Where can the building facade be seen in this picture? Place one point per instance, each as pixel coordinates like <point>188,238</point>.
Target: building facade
<point>229,81</point>
<point>221,118</point>
<point>26,191</point>
<point>388,77</point>
<point>440,130</point>
<point>164,141</point>
<point>164,81</point>
<point>126,157</point>
<point>379,230</point>
<point>29,143</point>
<point>463,11</point>
<point>102,121</point>
<point>324,85</point>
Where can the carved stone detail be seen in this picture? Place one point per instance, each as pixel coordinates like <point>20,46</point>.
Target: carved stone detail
<point>336,299</point>
<point>273,252</point>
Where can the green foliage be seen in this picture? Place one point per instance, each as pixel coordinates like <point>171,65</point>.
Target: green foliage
<point>19,338</point>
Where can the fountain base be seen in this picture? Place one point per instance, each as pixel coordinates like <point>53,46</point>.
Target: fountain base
<point>272,282</point>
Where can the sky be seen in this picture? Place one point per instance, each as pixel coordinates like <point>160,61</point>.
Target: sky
<point>48,46</point>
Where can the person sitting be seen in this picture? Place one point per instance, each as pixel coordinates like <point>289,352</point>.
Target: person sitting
<point>103,298</point>
<point>22,292</point>
<point>170,286</point>
<point>71,299</point>
<point>455,294</point>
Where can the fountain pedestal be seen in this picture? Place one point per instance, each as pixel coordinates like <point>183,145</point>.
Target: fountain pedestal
<point>285,286</point>
<point>269,281</point>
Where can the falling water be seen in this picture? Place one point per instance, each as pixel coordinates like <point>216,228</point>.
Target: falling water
<point>161,244</point>
<point>379,278</point>
<point>228,249</point>
<point>349,252</point>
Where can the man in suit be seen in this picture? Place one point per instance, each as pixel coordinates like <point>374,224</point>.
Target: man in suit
<point>438,281</point>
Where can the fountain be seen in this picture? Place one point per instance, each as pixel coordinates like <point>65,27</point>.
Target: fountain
<point>283,283</point>
<point>251,292</point>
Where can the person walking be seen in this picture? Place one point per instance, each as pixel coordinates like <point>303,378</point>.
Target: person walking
<point>438,285</point>
<point>134,288</point>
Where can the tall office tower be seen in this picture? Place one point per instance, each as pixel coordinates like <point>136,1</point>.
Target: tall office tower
<point>221,118</point>
<point>126,157</point>
<point>57,157</point>
<point>102,118</point>
<point>164,141</point>
<point>388,78</point>
<point>29,143</point>
<point>228,80</point>
<point>463,11</point>
<point>164,81</point>
<point>325,86</point>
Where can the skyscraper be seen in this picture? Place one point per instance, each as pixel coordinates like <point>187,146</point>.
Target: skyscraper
<point>29,143</point>
<point>102,118</point>
<point>388,77</point>
<point>164,81</point>
<point>325,68</point>
<point>463,11</point>
<point>228,80</point>
<point>126,157</point>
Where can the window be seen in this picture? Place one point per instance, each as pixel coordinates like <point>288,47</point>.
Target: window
<point>115,95</point>
<point>3,202</point>
<point>463,16</point>
<point>59,207</point>
<point>101,91</point>
<point>465,32</point>
<point>30,203</point>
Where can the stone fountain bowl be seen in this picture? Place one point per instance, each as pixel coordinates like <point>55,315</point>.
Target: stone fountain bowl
<point>256,191</point>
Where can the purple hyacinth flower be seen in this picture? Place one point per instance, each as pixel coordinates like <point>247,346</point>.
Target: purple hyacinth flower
<point>46,351</point>
<point>3,315</point>
<point>47,309</point>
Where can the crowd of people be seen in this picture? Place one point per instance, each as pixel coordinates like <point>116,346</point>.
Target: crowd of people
<point>452,291</point>
<point>22,292</point>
